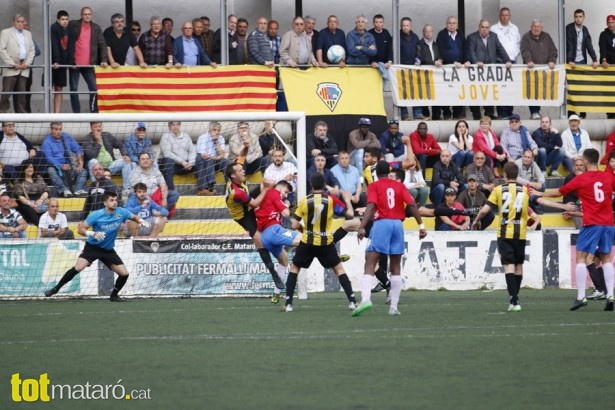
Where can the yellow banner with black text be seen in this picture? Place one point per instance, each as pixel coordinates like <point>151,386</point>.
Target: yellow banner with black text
<point>491,84</point>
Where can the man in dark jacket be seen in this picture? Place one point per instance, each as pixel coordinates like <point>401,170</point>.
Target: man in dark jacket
<point>606,43</point>
<point>446,174</point>
<point>96,191</point>
<point>321,143</point>
<point>549,143</point>
<point>578,45</point>
<point>452,45</point>
<point>484,47</point>
<point>83,54</point>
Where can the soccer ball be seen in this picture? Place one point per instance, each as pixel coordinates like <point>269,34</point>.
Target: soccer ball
<point>335,54</point>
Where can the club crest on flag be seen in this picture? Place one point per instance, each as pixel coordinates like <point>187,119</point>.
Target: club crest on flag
<point>330,94</point>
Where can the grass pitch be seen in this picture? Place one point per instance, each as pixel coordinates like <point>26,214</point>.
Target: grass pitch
<point>446,350</point>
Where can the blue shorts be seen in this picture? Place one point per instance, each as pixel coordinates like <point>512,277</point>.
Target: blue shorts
<point>276,237</point>
<point>386,237</point>
<point>595,236</point>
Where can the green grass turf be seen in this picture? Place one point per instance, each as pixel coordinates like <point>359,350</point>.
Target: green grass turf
<point>447,350</point>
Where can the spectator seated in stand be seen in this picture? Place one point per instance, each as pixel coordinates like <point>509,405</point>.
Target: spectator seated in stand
<point>31,193</point>
<point>446,174</point>
<point>177,154</point>
<point>455,222</point>
<point>139,142</point>
<point>157,188</point>
<point>243,138</point>
<point>53,223</point>
<point>474,199</point>
<point>141,205</point>
<point>211,154</point>
<point>425,146</point>
<point>14,149</point>
<point>12,224</point>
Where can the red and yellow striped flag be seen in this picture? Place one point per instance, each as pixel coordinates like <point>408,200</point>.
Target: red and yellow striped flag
<point>189,89</point>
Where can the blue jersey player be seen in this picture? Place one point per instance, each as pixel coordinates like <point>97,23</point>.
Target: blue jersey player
<point>100,244</point>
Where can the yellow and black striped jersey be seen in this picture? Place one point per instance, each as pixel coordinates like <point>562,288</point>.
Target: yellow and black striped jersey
<point>317,211</point>
<point>369,174</point>
<point>512,203</point>
<point>237,199</point>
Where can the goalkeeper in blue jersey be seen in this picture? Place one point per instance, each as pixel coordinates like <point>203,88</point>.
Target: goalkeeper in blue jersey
<point>100,244</point>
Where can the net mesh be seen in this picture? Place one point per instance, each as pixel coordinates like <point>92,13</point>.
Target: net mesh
<point>200,250</point>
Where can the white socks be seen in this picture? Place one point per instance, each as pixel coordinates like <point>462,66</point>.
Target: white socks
<point>581,276</point>
<point>395,290</point>
<point>367,282</point>
<point>609,277</point>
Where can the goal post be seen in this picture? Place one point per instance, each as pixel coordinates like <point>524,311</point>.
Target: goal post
<point>200,252</point>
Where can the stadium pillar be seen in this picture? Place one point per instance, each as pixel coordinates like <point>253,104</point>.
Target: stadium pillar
<point>461,15</point>
<point>129,14</point>
<point>298,7</point>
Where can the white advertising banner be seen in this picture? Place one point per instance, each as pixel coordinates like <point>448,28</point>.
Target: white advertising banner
<point>454,261</point>
<point>491,84</point>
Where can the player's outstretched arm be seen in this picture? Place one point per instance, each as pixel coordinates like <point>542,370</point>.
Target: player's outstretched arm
<point>265,186</point>
<point>414,211</point>
<point>571,207</point>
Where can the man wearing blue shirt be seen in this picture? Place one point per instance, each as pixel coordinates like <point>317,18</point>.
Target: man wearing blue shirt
<point>328,37</point>
<point>100,244</point>
<point>361,43</point>
<point>188,51</point>
<point>59,148</point>
<point>349,178</point>
<point>141,205</point>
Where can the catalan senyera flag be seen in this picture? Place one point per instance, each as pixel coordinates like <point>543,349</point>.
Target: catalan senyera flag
<point>188,89</point>
<point>589,89</point>
<point>334,90</point>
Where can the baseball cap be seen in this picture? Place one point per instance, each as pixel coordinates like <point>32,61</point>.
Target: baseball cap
<point>450,191</point>
<point>140,124</point>
<point>472,176</point>
<point>610,17</point>
<point>365,121</point>
<point>574,117</point>
<point>515,117</point>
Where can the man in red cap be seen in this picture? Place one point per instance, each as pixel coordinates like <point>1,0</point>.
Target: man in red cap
<point>607,47</point>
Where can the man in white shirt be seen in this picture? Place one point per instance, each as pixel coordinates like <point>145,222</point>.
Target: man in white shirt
<point>53,223</point>
<point>281,170</point>
<point>574,141</point>
<point>211,157</point>
<point>509,36</point>
<point>14,149</point>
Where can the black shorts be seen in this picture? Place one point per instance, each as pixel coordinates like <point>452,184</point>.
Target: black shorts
<point>58,77</point>
<point>327,255</point>
<point>248,222</point>
<point>512,251</point>
<point>109,257</point>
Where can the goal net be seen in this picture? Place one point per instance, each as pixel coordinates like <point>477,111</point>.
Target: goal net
<point>199,251</point>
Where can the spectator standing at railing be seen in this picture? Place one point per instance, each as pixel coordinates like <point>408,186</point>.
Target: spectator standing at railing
<point>430,55</point>
<point>537,47</point>
<point>579,44</point>
<point>409,54</point>
<point>274,39</point>
<point>360,43</point>
<point>122,45</point>
<point>156,45</point>
<point>17,52</point>
<point>452,45</point>
<point>310,32</point>
<point>241,39</point>
<point>232,42</point>
<point>207,37</point>
<point>177,153</point>
<point>509,36</point>
<point>484,47</point>
<point>384,43</point>
<point>167,26</point>
<point>327,37</point>
<point>187,51</point>
<point>606,43</point>
<point>86,47</point>
<point>59,57</point>
<point>37,52</point>
<point>296,47</point>
<point>259,48</point>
